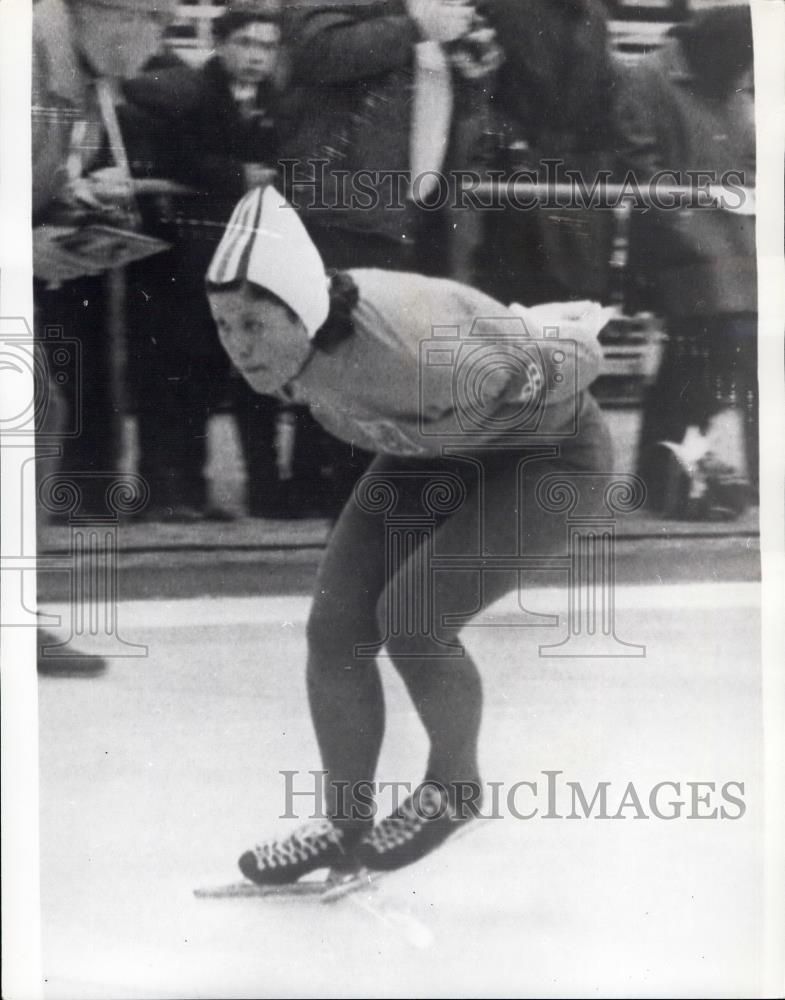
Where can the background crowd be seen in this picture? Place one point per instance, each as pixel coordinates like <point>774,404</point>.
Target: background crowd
<point>422,86</point>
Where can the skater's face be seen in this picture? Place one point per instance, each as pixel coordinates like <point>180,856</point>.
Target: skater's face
<point>266,341</point>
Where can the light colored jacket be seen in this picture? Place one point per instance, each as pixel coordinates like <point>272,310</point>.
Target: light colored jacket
<point>433,362</point>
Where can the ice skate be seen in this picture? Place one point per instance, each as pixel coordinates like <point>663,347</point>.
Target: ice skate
<point>290,866</point>
<point>423,822</point>
<point>309,848</point>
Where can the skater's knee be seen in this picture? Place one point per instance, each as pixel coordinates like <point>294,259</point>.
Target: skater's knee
<point>410,632</point>
<point>335,630</point>
<point>323,627</point>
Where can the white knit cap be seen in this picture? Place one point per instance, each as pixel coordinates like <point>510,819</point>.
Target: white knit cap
<point>266,243</point>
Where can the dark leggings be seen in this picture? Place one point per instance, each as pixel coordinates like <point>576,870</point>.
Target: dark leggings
<point>375,572</point>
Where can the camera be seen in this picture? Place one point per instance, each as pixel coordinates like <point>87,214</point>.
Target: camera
<point>495,383</point>
<point>49,368</point>
<point>477,53</point>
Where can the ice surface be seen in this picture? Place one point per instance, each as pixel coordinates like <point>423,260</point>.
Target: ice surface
<point>155,777</point>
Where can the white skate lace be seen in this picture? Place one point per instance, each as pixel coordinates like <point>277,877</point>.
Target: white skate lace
<point>309,841</point>
<point>404,825</point>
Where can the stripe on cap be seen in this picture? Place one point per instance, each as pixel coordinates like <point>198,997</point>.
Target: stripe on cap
<point>266,243</point>
<point>242,238</point>
<point>245,255</point>
<point>237,238</point>
<point>217,269</point>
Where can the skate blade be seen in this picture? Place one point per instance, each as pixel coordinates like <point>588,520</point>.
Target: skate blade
<point>336,885</point>
<point>339,885</point>
<point>245,890</point>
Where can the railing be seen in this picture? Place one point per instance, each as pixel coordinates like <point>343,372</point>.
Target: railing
<point>636,29</point>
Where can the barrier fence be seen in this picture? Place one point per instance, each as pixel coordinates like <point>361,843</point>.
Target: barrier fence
<point>634,28</point>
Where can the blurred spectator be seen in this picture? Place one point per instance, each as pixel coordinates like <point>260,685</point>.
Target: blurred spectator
<point>215,129</point>
<point>381,102</point>
<point>357,62</point>
<point>552,101</point>
<point>688,107</point>
<point>74,45</point>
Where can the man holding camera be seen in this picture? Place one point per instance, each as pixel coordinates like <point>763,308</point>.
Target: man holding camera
<point>380,120</point>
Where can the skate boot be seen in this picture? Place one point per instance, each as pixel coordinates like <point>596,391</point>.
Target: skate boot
<point>424,821</point>
<point>312,846</point>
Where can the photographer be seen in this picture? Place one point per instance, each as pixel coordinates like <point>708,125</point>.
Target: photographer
<point>385,99</point>
<point>382,81</point>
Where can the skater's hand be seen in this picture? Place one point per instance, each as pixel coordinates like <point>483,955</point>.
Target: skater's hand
<point>573,320</point>
<point>576,323</point>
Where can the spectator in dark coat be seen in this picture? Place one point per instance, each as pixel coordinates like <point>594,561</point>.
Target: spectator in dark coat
<point>217,130</point>
<point>356,63</point>
<point>557,74</point>
<point>359,67</point>
<point>690,107</point>
<point>554,94</point>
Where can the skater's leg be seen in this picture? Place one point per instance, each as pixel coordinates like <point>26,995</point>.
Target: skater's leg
<point>447,690</point>
<point>345,691</point>
<point>345,695</point>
